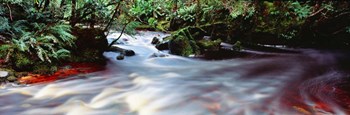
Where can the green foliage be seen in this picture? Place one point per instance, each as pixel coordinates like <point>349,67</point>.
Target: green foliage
<point>348,29</point>
<point>289,35</point>
<point>329,6</point>
<point>301,10</point>
<point>4,24</point>
<point>152,22</point>
<point>47,41</point>
<point>130,28</point>
<point>43,68</point>
<point>187,13</point>
<point>35,37</point>
<point>142,8</point>
<point>241,8</point>
<point>21,60</point>
<point>282,18</point>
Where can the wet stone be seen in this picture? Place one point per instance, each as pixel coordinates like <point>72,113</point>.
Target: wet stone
<point>120,57</point>
<point>155,40</point>
<point>12,78</point>
<point>3,74</point>
<point>129,53</point>
<point>159,55</point>
<point>163,46</point>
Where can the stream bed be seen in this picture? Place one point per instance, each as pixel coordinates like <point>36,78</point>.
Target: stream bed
<point>156,83</point>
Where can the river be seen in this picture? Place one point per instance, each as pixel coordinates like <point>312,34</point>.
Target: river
<point>308,82</point>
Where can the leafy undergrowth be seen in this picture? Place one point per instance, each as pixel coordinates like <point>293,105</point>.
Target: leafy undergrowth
<point>68,70</point>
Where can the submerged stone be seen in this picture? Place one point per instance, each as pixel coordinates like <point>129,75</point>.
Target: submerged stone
<point>158,55</point>
<point>120,57</point>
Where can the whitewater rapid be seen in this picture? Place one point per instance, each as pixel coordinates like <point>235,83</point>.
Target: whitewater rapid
<point>172,85</point>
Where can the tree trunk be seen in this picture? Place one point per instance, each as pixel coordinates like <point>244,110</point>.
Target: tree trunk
<point>92,20</point>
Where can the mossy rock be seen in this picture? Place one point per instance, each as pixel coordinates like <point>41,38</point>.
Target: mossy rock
<point>209,44</point>
<point>11,78</point>
<point>186,41</point>
<point>180,45</point>
<point>163,25</point>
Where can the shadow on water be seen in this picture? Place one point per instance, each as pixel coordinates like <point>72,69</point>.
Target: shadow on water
<point>306,82</point>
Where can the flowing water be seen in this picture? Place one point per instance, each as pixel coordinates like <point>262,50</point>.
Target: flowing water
<point>309,82</point>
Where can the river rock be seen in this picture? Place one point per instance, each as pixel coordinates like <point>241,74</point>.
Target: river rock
<point>183,46</point>
<point>3,74</point>
<point>128,52</point>
<point>120,57</point>
<point>123,51</point>
<point>159,55</point>
<point>163,46</point>
<point>155,40</point>
<point>12,79</point>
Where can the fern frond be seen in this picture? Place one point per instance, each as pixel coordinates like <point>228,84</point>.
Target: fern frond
<point>20,45</point>
<point>40,53</point>
<point>62,34</point>
<point>62,53</point>
<point>4,24</point>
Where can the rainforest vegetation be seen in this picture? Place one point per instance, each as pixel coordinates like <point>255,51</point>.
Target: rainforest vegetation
<point>40,35</point>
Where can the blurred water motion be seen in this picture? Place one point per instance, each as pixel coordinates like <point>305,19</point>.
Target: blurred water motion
<point>312,82</point>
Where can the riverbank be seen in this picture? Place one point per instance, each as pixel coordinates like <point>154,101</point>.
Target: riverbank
<point>64,71</point>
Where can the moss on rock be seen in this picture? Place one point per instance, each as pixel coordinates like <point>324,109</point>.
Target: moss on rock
<point>189,41</point>
<point>180,45</point>
<point>212,45</point>
<point>11,78</point>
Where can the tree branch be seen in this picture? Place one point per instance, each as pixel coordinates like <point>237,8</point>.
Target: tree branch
<point>113,16</point>
<point>315,13</point>
<point>110,45</point>
<point>8,6</point>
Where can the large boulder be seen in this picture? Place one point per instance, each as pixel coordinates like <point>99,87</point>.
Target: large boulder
<point>181,45</point>
<point>191,41</point>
